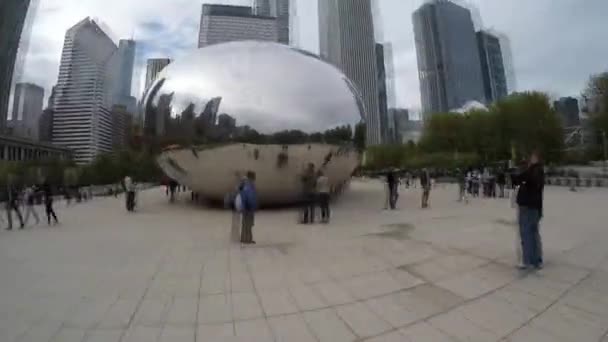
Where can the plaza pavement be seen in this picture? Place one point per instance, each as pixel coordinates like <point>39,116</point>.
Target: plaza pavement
<point>169,273</point>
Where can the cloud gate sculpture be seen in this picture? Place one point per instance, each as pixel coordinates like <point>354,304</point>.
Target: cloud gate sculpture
<point>253,106</point>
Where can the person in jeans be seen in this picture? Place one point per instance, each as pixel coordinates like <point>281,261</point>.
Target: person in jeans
<point>392,184</point>
<point>47,190</point>
<point>309,180</point>
<point>530,203</point>
<point>249,203</point>
<point>29,197</point>
<point>130,193</point>
<point>501,180</point>
<point>425,183</point>
<point>12,203</point>
<point>323,195</point>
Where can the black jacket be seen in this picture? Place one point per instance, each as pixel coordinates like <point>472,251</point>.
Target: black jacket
<point>531,186</point>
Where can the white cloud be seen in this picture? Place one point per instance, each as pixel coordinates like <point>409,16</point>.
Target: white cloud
<point>556,43</point>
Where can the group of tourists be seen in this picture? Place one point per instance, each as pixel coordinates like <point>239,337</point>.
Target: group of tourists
<point>525,183</point>
<point>316,191</point>
<point>393,180</point>
<point>487,183</point>
<point>18,198</point>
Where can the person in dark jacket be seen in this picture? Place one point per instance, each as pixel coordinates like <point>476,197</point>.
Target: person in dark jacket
<point>530,203</point>
<point>425,183</point>
<point>501,180</point>
<point>12,203</point>
<point>309,185</point>
<point>392,184</point>
<point>47,190</point>
<point>249,203</point>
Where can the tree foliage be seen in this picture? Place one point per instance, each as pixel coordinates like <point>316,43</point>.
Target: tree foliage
<point>511,128</point>
<point>596,96</point>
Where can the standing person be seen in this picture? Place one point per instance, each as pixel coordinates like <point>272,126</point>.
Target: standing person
<point>249,203</point>
<point>233,202</point>
<point>12,203</point>
<point>425,183</point>
<point>391,184</point>
<point>130,193</point>
<point>47,191</point>
<point>308,189</point>
<point>501,180</point>
<point>461,177</point>
<point>172,187</point>
<point>530,203</point>
<point>29,196</point>
<point>323,195</point>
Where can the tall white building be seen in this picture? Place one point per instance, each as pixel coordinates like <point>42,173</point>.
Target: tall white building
<point>279,9</point>
<point>224,23</point>
<point>153,68</point>
<point>82,120</point>
<point>346,37</point>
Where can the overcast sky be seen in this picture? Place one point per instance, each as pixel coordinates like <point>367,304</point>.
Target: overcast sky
<point>556,44</point>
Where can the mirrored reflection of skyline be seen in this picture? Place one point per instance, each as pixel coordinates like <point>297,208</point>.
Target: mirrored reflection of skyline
<point>271,93</point>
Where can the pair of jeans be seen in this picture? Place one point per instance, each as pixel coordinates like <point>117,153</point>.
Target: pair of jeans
<point>50,212</point>
<point>130,200</point>
<point>10,206</point>
<point>324,204</point>
<point>531,244</point>
<point>309,208</point>
<point>247,221</point>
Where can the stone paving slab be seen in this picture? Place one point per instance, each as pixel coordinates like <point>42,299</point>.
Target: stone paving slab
<point>169,273</point>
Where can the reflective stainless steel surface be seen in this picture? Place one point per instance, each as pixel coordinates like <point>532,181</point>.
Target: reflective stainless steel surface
<point>256,106</point>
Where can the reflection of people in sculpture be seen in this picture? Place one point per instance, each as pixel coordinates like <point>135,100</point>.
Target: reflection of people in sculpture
<point>309,185</point>
<point>249,205</point>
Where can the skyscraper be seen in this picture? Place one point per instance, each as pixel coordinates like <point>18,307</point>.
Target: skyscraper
<point>122,89</point>
<point>279,9</point>
<point>27,108</point>
<point>224,23</point>
<point>448,57</point>
<point>82,119</point>
<point>389,67</point>
<point>346,36</point>
<point>568,110</point>
<point>382,94</point>
<point>492,66</point>
<point>12,17</point>
<point>154,67</point>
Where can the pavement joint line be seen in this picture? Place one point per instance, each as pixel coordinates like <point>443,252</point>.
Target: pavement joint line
<point>198,303</point>
<point>561,296</point>
<point>138,306</point>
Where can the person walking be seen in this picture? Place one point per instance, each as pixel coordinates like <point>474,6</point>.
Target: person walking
<point>530,204</point>
<point>308,190</point>
<point>249,203</point>
<point>172,188</point>
<point>47,191</point>
<point>29,196</point>
<point>12,203</point>
<point>130,193</point>
<point>425,183</point>
<point>391,189</point>
<point>323,195</point>
<point>501,180</point>
<point>462,181</point>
